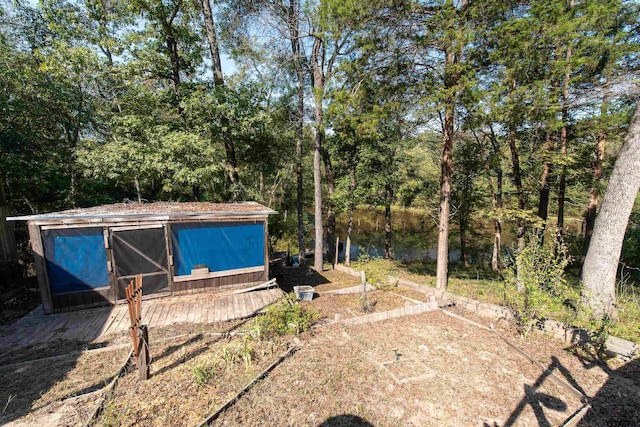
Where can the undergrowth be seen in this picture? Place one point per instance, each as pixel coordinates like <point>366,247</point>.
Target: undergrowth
<point>535,285</point>
<point>287,317</point>
<point>564,308</point>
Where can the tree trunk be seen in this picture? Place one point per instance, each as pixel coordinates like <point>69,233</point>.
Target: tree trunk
<point>562,184</point>
<point>138,191</point>
<point>517,181</point>
<point>387,220</point>
<point>462,226</point>
<point>601,263</point>
<point>216,68</point>
<point>8,249</point>
<point>331,212</point>
<point>172,49</point>
<point>352,188</point>
<point>522,203</point>
<point>445,181</point>
<point>545,188</point>
<point>293,14</point>
<point>210,28</point>
<point>318,83</point>
<point>497,224</point>
<point>590,216</point>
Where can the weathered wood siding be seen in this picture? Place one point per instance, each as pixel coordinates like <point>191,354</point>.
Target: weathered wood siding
<point>218,283</point>
<point>81,300</point>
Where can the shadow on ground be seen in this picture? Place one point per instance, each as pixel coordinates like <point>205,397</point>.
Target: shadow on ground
<point>288,276</point>
<point>617,403</point>
<point>24,383</point>
<point>345,420</point>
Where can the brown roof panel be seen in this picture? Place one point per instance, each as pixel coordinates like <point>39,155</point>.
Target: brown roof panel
<point>168,209</point>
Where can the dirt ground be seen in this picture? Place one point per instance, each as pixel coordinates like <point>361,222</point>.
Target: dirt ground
<point>56,390</point>
<point>420,370</point>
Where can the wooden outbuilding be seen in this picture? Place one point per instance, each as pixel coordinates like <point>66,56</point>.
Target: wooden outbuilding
<point>86,257</point>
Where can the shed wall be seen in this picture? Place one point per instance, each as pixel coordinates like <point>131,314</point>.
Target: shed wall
<point>60,295</point>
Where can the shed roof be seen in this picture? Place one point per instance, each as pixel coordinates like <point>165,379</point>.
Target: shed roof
<point>163,209</point>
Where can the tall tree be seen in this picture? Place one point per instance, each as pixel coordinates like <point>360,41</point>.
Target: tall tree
<point>601,263</point>
<point>218,79</point>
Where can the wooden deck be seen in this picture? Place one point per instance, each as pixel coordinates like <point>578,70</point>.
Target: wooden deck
<point>88,325</point>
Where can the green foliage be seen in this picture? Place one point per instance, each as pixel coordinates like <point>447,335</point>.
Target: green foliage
<point>203,373</point>
<point>285,318</point>
<point>601,332</point>
<point>539,271</point>
<point>238,353</point>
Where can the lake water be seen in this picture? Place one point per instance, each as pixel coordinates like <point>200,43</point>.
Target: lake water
<point>415,236</point>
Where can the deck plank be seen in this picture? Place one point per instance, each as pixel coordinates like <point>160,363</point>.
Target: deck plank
<point>30,333</point>
<point>190,312</point>
<point>246,304</point>
<point>92,330</point>
<point>73,327</point>
<point>112,317</point>
<point>198,316</point>
<point>123,322</point>
<point>228,302</point>
<point>162,321</point>
<point>184,316</point>
<point>207,312</point>
<point>154,315</point>
<point>149,314</point>
<point>217,308</point>
<point>177,315</point>
<point>45,333</point>
<point>253,303</point>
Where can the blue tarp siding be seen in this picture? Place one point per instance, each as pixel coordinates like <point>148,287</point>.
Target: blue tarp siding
<point>76,259</point>
<point>220,246</point>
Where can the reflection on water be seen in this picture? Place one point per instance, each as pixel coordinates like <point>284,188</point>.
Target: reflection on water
<point>415,236</point>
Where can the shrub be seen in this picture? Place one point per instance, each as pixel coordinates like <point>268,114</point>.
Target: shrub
<point>285,318</point>
<point>541,277</point>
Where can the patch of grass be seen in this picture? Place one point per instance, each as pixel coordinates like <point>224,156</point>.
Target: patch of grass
<point>629,318</point>
<point>565,308</point>
<point>491,291</point>
<point>377,270</point>
<point>110,416</point>
<point>285,318</point>
<point>203,373</point>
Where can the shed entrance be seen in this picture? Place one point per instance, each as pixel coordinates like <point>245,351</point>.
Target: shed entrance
<point>141,251</point>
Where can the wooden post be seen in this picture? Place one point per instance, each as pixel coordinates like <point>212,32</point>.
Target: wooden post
<point>132,316</point>
<point>41,267</point>
<point>337,246</point>
<point>143,352</point>
<point>363,280</point>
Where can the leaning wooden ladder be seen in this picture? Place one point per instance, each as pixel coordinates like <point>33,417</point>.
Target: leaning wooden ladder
<point>133,293</point>
<point>139,332</point>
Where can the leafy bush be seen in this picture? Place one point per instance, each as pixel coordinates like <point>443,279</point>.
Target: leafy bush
<point>541,277</point>
<point>285,318</point>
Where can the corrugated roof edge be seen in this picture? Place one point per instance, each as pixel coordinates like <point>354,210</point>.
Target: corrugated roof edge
<point>55,216</point>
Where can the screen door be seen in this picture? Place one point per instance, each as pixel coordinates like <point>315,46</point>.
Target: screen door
<point>141,251</point>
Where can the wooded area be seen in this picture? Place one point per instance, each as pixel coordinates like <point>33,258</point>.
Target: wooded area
<point>508,111</point>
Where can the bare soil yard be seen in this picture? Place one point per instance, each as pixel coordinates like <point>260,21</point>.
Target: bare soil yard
<point>421,370</point>
<point>46,390</point>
